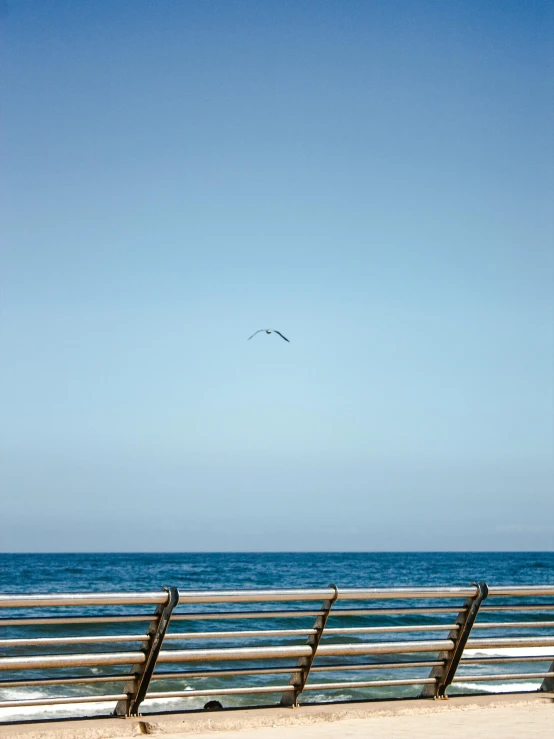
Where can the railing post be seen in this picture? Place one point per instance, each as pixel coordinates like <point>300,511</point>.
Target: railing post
<point>300,677</point>
<point>548,682</point>
<point>137,687</point>
<point>465,620</point>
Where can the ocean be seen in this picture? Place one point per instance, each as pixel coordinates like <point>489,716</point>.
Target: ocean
<point>49,573</point>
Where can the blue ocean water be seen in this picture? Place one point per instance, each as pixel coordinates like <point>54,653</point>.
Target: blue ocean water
<point>49,573</point>
<point>25,573</point>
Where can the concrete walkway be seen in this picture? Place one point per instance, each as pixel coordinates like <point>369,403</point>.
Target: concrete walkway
<point>504,722</point>
<point>502,716</point>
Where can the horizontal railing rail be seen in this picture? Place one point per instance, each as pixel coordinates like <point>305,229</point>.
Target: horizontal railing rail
<point>174,648</point>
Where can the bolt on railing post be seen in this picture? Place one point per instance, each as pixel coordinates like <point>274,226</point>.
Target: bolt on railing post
<point>465,620</point>
<point>300,677</point>
<point>138,683</point>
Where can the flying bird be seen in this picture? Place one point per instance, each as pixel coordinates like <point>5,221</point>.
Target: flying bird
<point>268,331</point>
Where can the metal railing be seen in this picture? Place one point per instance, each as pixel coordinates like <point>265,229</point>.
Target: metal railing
<point>412,639</point>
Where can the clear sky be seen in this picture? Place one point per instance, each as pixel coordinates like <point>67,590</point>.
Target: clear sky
<point>374,179</point>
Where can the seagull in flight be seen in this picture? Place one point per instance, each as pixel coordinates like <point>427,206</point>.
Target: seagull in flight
<point>268,331</point>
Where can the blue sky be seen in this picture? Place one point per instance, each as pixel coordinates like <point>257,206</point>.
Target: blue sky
<point>374,179</point>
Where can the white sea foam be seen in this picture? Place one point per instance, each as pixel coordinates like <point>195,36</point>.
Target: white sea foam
<point>16,694</point>
<point>327,698</point>
<point>102,708</point>
<point>197,702</point>
<point>511,652</point>
<point>16,713</point>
